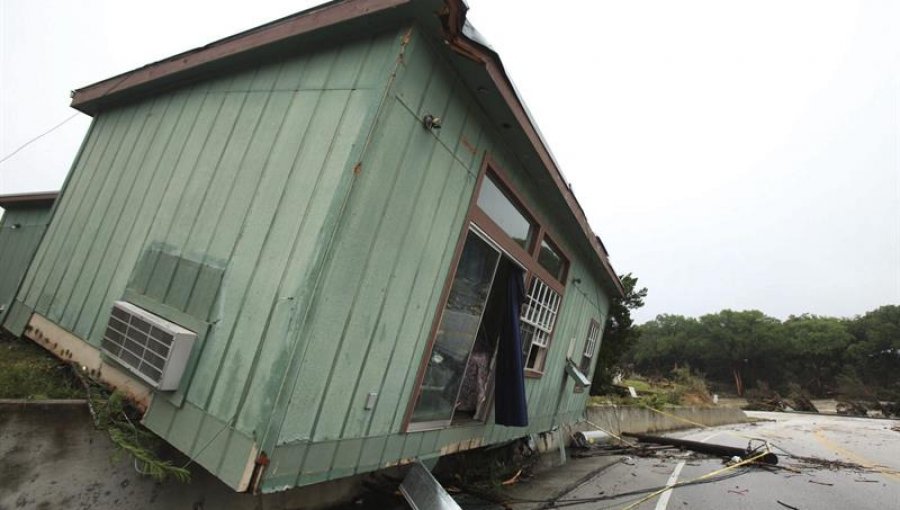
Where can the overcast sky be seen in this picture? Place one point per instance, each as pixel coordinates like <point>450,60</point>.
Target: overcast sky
<point>740,155</point>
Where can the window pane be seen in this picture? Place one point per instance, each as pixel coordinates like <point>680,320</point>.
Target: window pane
<point>505,214</point>
<point>537,322</point>
<point>551,260</point>
<point>590,346</point>
<point>456,332</point>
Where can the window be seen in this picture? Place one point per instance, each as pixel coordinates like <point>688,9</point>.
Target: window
<point>504,212</point>
<point>590,347</point>
<point>538,318</point>
<point>460,324</point>
<point>551,260</point>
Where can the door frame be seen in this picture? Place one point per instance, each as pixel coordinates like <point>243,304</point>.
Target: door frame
<point>483,226</point>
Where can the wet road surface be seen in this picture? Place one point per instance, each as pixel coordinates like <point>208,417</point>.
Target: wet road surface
<point>826,462</point>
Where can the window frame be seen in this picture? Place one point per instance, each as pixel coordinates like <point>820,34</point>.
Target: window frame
<point>478,220</point>
<point>545,310</point>
<point>593,326</point>
<point>527,258</point>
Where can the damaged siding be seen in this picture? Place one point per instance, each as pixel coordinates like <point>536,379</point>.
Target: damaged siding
<point>214,204</point>
<point>368,330</point>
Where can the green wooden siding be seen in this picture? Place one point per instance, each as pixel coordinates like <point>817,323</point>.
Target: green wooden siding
<point>238,179</point>
<point>21,230</point>
<point>367,331</point>
<point>302,220</point>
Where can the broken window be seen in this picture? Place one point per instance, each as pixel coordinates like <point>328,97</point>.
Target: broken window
<point>538,318</point>
<point>590,347</point>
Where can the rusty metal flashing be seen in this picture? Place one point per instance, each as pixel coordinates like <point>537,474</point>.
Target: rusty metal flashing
<point>461,38</point>
<point>45,197</point>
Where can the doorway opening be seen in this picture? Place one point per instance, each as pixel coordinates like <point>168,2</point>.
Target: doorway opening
<point>476,391</point>
<point>457,386</point>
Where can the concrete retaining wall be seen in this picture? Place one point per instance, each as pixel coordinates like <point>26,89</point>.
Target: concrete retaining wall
<point>618,419</point>
<point>52,457</point>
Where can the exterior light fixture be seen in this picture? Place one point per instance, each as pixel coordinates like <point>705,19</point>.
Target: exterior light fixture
<point>431,122</point>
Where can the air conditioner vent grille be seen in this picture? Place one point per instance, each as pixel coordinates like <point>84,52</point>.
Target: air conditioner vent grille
<point>150,346</point>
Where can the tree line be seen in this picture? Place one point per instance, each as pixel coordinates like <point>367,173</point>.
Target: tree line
<point>854,357</point>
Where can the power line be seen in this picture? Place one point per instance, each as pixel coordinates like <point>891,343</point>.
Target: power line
<point>38,137</point>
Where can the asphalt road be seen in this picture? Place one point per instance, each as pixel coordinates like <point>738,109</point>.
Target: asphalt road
<point>868,476</point>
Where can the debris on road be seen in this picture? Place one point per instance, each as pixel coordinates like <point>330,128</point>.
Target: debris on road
<point>821,483</point>
<point>782,503</point>
<point>833,465</point>
<point>849,408</point>
<point>764,399</point>
<point>707,448</point>
<point>804,404</point>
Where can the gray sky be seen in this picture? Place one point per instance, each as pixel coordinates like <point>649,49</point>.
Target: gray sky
<point>731,154</point>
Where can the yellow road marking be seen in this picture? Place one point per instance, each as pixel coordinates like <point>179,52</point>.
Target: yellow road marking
<point>862,461</point>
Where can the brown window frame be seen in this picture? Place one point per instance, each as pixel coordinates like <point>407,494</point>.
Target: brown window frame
<point>593,358</point>
<point>527,258</point>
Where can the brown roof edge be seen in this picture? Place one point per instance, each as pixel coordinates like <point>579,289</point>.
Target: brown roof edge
<point>318,17</point>
<point>455,20</point>
<point>89,99</point>
<point>28,198</point>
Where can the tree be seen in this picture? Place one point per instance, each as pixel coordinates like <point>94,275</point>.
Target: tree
<point>620,333</point>
<point>666,342</point>
<point>855,357</point>
<point>739,341</point>
<point>817,348</point>
<point>875,354</point>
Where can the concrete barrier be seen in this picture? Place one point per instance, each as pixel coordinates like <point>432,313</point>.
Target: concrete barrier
<point>638,420</point>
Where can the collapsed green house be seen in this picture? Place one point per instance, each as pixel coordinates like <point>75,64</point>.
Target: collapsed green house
<point>294,248</point>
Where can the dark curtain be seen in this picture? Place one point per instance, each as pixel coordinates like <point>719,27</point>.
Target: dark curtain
<point>510,408</point>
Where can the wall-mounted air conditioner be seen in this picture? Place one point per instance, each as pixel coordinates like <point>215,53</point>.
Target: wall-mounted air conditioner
<point>151,347</point>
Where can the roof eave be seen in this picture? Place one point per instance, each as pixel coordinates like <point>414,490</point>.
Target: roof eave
<point>24,199</point>
<point>460,42</point>
<point>92,98</point>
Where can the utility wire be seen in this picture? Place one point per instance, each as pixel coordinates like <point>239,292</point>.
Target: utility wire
<point>38,137</point>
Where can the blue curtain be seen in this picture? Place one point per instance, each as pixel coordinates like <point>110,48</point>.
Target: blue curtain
<point>510,408</point>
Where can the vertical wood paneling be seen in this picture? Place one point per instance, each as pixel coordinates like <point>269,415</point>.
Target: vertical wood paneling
<point>332,270</point>
<point>17,247</point>
<point>128,216</point>
<point>62,239</point>
<point>84,151</point>
<point>243,172</point>
<point>145,202</point>
<point>111,218</point>
<point>95,215</point>
<point>306,256</point>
